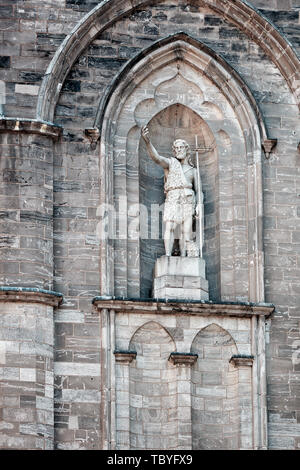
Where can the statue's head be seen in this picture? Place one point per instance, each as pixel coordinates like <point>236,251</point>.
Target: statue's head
<point>181,149</point>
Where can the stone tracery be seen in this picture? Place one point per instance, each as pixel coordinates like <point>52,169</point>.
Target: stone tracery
<point>227,111</point>
<point>236,11</point>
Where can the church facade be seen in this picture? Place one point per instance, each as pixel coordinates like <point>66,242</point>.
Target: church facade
<point>106,342</point>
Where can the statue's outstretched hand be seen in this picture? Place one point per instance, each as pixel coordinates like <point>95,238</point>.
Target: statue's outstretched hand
<point>152,152</point>
<point>145,134</point>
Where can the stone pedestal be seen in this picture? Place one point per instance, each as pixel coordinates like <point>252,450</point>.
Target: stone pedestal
<point>176,277</point>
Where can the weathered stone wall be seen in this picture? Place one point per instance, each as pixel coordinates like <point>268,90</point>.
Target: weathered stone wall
<point>26,182</point>
<point>31,32</point>
<point>27,382</point>
<point>78,381</point>
<point>284,14</point>
<point>282,274</point>
<point>282,244</point>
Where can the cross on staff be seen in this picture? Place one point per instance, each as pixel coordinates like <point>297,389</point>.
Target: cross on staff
<point>201,150</point>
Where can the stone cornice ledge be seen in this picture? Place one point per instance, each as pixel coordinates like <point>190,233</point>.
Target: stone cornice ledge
<point>30,126</point>
<point>30,295</point>
<point>160,306</point>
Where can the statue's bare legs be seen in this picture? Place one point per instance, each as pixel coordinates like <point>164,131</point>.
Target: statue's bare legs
<point>169,237</point>
<point>186,235</point>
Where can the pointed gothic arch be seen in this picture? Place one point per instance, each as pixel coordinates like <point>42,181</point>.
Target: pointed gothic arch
<point>152,383</point>
<point>214,66</point>
<point>107,12</point>
<point>150,325</point>
<point>218,338</point>
<point>215,388</point>
<point>232,115</point>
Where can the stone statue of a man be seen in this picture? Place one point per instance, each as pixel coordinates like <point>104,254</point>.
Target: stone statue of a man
<point>182,193</point>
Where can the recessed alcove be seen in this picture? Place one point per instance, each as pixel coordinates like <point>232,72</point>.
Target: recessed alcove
<point>180,90</point>
<point>195,370</point>
<point>153,419</point>
<point>214,391</point>
<point>174,122</point>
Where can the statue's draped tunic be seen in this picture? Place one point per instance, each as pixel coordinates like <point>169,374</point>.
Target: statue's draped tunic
<point>180,197</point>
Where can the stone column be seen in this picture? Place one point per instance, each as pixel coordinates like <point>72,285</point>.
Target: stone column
<point>26,279</point>
<point>259,392</point>
<point>107,341</point>
<point>26,368</point>
<point>26,197</point>
<point>244,365</point>
<point>123,360</point>
<point>184,362</point>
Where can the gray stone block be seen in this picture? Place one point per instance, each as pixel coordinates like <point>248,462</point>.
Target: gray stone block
<point>179,266</point>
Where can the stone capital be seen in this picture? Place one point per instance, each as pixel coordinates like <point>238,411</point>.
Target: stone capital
<point>93,134</point>
<point>187,359</point>
<point>242,361</point>
<point>268,145</point>
<point>124,357</point>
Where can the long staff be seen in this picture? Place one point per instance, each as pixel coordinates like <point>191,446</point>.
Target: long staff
<point>200,205</point>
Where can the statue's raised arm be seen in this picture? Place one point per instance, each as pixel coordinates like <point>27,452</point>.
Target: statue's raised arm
<point>163,161</point>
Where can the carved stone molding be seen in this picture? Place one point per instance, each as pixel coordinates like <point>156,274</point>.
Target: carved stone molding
<point>244,361</point>
<point>93,134</point>
<point>30,295</point>
<point>268,146</point>
<point>183,358</point>
<point>124,357</point>
<point>205,308</point>
<point>107,13</point>
<point>30,126</point>
<point>175,51</point>
<point>183,44</point>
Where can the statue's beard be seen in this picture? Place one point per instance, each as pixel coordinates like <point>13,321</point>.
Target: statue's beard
<point>180,155</point>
